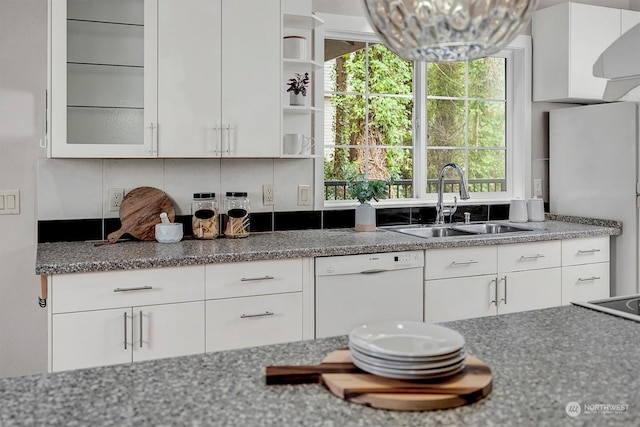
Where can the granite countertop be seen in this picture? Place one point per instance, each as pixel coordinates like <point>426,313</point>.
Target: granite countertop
<point>77,257</point>
<point>541,361</point>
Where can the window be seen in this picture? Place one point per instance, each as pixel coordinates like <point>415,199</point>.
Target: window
<point>386,117</point>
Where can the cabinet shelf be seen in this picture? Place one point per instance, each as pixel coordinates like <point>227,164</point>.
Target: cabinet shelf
<point>98,64</point>
<point>103,107</point>
<point>305,22</point>
<point>300,156</point>
<point>301,110</point>
<point>93,21</point>
<point>291,64</point>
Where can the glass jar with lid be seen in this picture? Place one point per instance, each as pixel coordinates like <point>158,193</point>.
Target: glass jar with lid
<point>204,220</point>
<point>238,213</point>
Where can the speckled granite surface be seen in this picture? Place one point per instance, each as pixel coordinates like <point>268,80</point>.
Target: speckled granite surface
<point>541,360</point>
<point>75,257</point>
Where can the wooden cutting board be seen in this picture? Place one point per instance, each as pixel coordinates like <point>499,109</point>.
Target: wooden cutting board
<point>345,380</point>
<point>140,212</point>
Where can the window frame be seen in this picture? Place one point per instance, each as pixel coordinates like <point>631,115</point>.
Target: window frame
<point>517,130</point>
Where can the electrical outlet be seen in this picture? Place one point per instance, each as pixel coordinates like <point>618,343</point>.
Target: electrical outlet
<point>537,187</point>
<point>116,195</point>
<point>304,195</point>
<point>268,194</point>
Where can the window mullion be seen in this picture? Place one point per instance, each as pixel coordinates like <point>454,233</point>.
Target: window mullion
<point>420,129</point>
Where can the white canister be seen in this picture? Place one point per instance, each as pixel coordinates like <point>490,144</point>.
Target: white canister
<point>294,47</point>
<point>535,209</point>
<point>518,210</point>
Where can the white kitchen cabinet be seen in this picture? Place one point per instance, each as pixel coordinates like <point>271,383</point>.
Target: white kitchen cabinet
<point>567,40</point>
<point>253,321</point>
<point>123,316</point>
<point>124,335</point>
<point>166,79</point>
<point>258,302</point>
<point>585,269</point>
<point>102,80</point>
<point>473,282</point>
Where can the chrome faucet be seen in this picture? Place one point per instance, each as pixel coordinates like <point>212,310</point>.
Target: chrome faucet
<point>441,211</point>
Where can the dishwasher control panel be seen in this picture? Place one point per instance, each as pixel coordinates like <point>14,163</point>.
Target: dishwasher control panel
<point>369,263</point>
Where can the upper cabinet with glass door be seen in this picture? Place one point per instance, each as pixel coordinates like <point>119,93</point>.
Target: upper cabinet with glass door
<point>102,78</point>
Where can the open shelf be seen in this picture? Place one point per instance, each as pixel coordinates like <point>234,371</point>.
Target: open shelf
<point>301,109</point>
<point>291,64</point>
<point>305,22</point>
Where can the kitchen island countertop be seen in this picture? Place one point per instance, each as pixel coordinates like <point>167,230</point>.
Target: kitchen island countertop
<point>78,257</point>
<point>541,361</point>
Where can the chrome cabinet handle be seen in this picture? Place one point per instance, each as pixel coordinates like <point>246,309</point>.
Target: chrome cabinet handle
<point>125,330</point>
<point>536,256</point>
<point>588,279</point>
<point>464,262</point>
<point>588,251</point>
<point>248,316</point>
<point>139,288</point>
<point>141,329</point>
<point>152,132</point>
<point>251,279</point>
<point>494,301</point>
<point>228,129</point>
<point>505,290</point>
<point>216,142</point>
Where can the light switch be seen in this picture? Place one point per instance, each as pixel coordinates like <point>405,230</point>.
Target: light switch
<point>9,202</point>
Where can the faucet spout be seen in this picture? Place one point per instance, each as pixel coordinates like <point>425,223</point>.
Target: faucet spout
<point>464,192</point>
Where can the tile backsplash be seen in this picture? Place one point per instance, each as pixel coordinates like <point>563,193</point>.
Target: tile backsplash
<point>73,194</point>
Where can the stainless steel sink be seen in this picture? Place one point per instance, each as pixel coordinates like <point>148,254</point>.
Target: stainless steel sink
<point>489,228</point>
<point>432,230</point>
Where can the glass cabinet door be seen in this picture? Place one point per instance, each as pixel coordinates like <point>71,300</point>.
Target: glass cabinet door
<point>103,72</point>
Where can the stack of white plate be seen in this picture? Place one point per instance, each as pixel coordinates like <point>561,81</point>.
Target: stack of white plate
<point>407,350</point>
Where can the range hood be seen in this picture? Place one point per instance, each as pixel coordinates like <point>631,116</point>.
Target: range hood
<point>620,64</point>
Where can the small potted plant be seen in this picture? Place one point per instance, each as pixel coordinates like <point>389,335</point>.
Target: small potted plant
<point>364,190</point>
<point>298,88</point>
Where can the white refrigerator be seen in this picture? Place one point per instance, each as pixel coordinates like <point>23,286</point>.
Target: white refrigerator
<point>594,172</point>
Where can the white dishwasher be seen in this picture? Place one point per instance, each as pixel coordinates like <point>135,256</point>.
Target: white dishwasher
<point>355,289</point>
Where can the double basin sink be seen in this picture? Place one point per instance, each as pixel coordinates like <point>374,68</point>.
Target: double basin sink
<point>448,230</point>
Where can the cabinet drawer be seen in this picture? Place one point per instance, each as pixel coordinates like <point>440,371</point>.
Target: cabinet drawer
<point>585,282</point>
<point>529,256</point>
<point>460,262</point>
<point>102,290</point>
<point>253,321</point>
<point>585,251</point>
<point>253,278</point>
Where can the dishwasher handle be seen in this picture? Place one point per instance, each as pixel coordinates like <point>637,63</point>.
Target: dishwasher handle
<point>374,271</point>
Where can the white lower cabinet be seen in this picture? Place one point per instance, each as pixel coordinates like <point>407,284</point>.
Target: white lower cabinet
<point>585,269</point>
<point>521,277</point>
<point>107,318</point>
<point>258,303</point>
<point>253,321</point>
<point>124,335</point>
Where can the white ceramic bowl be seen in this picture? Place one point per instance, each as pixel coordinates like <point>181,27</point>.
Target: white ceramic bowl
<point>169,233</point>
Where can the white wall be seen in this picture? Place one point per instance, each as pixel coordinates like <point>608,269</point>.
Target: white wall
<point>23,60</point>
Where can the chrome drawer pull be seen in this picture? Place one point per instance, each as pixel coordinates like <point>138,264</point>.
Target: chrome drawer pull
<point>464,262</point>
<point>140,329</point>
<point>590,251</point>
<point>248,316</point>
<point>141,288</point>
<point>125,330</point>
<point>588,279</point>
<point>251,279</point>
<point>536,256</point>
